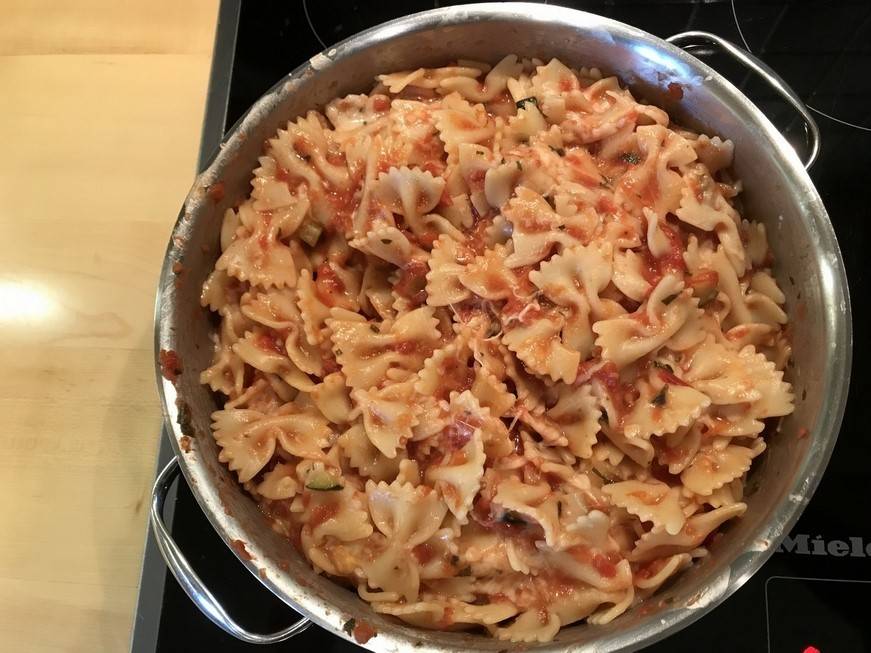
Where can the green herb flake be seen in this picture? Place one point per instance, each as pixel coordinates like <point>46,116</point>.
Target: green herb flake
<point>630,157</point>
<point>661,398</point>
<point>349,626</point>
<point>521,104</point>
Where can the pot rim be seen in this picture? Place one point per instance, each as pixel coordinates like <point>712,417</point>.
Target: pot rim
<point>838,319</point>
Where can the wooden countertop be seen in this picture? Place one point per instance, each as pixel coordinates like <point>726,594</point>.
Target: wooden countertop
<point>101,105</point>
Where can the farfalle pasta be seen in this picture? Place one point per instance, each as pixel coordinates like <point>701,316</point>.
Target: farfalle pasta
<point>497,347</point>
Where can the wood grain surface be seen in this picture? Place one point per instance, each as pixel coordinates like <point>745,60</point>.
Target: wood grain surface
<point>101,105</point>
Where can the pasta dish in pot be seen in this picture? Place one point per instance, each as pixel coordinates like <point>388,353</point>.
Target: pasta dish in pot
<point>497,346</point>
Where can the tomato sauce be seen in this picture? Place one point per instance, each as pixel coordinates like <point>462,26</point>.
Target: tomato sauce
<point>412,282</point>
<point>456,376</point>
<point>270,341</point>
<point>609,377</point>
<point>170,365</point>
<point>363,632</point>
<point>651,568</point>
<point>654,269</point>
<point>456,435</point>
<point>330,366</point>
<point>216,192</point>
<point>604,563</point>
<point>424,553</point>
<point>344,203</point>
<point>406,347</point>
<point>323,513</point>
<point>328,284</point>
<point>239,545</point>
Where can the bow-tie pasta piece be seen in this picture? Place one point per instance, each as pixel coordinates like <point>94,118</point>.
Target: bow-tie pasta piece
<point>459,122</point>
<point>264,350</point>
<point>409,192</point>
<point>256,255</point>
<point>540,347</point>
<point>627,338</point>
<point>428,78</point>
<point>246,446</point>
<point>279,483</point>
<point>443,286</point>
<point>494,83</point>
<point>577,414</point>
<point>226,374</point>
<point>389,414</point>
<point>658,542</point>
<point>663,408</point>
<point>714,467</point>
<point>536,228</point>
<point>363,456</point>
<point>653,502</point>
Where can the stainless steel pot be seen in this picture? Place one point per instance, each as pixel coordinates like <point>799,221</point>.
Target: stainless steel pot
<point>778,191</point>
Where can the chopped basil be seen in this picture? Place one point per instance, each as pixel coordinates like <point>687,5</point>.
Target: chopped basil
<point>630,157</point>
<point>521,104</point>
<point>349,626</point>
<point>661,398</point>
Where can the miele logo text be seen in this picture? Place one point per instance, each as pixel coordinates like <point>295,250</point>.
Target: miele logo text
<point>854,547</point>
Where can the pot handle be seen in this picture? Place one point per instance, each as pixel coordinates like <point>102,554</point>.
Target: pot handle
<point>765,72</point>
<point>188,578</point>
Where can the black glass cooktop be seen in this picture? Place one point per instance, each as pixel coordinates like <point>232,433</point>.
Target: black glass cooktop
<point>813,595</point>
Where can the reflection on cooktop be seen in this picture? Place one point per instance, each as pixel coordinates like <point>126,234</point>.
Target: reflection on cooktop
<point>827,615</point>
<point>823,49</point>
